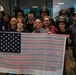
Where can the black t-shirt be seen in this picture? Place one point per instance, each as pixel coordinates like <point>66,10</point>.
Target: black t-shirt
<point>64,33</point>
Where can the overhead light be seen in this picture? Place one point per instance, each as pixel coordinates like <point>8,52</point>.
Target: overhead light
<point>60,3</point>
<point>57,6</point>
<point>34,6</point>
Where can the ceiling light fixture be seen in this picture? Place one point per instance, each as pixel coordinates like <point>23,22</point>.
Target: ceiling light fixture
<point>57,6</point>
<point>34,6</point>
<point>60,3</point>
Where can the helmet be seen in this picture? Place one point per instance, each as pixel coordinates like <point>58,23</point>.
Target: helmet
<point>44,9</point>
<point>63,11</point>
<point>61,19</point>
<point>1,8</point>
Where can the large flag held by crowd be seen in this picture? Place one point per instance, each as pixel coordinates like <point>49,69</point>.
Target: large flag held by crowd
<point>32,53</point>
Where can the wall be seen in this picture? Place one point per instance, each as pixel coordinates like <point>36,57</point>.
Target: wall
<point>5,4</point>
<point>9,6</point>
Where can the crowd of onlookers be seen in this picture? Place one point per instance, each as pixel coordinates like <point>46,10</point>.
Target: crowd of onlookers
<point>63,24</point>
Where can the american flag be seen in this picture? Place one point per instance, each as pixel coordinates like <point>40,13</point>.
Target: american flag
<point>10,42</point>
<point>41,54</point>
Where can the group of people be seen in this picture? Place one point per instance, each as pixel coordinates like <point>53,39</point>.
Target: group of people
<point>63,24</point>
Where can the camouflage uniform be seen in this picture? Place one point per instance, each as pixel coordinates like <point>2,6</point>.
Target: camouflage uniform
<point>69,62</point>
